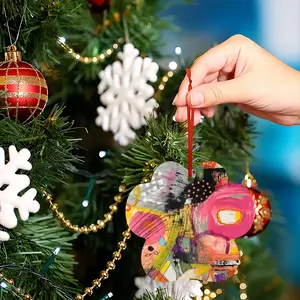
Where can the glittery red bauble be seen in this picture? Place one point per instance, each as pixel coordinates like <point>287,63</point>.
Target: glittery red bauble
<point>262,213</point>
<point>26,91</point>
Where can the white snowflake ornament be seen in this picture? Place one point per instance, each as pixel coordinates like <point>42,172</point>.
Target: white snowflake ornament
<point>177,290</point>
<point>12,184</point>
<point>126,94</point>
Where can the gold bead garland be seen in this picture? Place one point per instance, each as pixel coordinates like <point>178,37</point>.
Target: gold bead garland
<point>100,224</point>
<point>96,283</point>
<point>91,59</point>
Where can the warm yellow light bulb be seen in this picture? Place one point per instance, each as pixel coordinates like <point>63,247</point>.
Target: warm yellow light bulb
<point>219,291</point>
<point>243,296</point>
<point>206,291</point>
<point>243,286</point>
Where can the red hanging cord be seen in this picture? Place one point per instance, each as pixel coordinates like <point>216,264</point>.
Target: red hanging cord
<point>190,120</point>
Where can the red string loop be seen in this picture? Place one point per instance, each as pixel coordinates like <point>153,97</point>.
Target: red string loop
<point>190,120</point>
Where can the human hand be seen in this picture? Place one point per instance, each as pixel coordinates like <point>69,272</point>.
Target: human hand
<point>240,72</point>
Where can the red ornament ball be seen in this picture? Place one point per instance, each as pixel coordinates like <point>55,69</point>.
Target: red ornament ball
<point>26,90</point>
<point>262,213</point>
<point>97,2</point>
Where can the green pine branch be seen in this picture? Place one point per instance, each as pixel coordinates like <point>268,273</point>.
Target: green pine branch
<point>159,295</point>
<point>164,140</point>
<point>51,145</point>
<point>43,22</point>
<point>31,246</point>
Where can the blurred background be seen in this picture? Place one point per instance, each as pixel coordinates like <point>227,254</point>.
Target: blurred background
<point>275,25</point>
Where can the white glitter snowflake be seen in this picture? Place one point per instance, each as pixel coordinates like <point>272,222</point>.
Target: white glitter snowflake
<point>177,290</point>
<point>12,184</point>
<point>126,94</point>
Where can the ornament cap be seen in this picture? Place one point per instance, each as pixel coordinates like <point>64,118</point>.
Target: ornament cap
<point>12,54</point>
<point>249,181</point>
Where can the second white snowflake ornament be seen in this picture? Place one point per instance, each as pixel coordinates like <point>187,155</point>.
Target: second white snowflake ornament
<point>12,184</point>
<point>126,94</point>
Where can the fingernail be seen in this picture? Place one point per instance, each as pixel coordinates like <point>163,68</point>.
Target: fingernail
<point>197,99</point>
<point>174,118</point>
<point>173,103</point>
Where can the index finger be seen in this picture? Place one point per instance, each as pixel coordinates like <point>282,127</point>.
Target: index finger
<point>222,57</point>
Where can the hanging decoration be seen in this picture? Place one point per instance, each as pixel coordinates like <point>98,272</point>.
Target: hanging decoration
<point>189,227</point>
<point>261,204</point>
<point>126,94</point>
<point>11,184</point>
<point>26,90</point>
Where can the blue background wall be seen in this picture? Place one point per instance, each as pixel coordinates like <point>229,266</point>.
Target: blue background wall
<point>272,24</point>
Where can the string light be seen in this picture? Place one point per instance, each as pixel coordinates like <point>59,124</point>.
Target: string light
<point>3,285</point>
<point>108,296</point>
<point>162,83</point>
<point>219,291</point>
<point>173,65</point>
<point>206,291</point>
<point>178,50</point>
<point>243,286</point>
<point>102,154</point>
<point>243,292</point>
<point>90,59</point>
<point>6,284</point>
<point>50,261</point>
<point>85,203</point>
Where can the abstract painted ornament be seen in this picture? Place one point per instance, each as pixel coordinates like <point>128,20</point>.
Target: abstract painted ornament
<point>126,94</point>
<point>189,227</point>
<point>11,184</point>
<point>26,90</point>
<point>262,207</point>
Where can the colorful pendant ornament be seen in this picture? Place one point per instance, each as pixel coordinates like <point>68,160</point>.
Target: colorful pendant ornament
<point>189,227</point>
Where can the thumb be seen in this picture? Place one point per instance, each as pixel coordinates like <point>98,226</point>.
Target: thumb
<point>211,94</point>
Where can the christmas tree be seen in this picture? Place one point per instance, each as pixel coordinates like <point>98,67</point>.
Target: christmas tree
<point>84,156</point>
